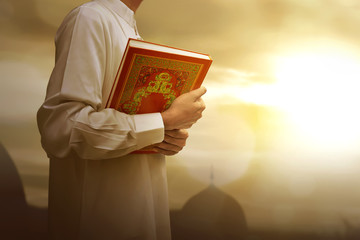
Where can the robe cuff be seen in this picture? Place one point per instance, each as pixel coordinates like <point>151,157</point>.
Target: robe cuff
<point>149,129</point>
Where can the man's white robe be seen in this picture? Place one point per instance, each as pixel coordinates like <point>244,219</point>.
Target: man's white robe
<point>97,190</point>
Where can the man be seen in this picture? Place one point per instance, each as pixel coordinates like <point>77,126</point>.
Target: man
<point>97,189</point>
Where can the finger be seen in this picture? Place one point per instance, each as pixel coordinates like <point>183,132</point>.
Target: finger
<point>200,104</point>
<point>167,149</point>
<point>197,93</point>
<point>177,133</point>
<point>172,144</point>
<point>179,142</point>
<point>188,125</point>
<point>165,152</point>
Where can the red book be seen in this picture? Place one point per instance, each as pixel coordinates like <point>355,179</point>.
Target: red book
<point>151,76</point>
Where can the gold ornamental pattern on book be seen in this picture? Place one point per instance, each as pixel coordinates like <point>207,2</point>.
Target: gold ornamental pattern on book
<point>158,79</point>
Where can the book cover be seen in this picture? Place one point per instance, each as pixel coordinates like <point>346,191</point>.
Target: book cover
<point>151,76</point>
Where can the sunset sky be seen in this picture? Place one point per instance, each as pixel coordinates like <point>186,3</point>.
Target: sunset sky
<point>281,130</point>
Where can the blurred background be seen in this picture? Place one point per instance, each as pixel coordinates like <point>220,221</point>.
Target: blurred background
<point>277,152</point>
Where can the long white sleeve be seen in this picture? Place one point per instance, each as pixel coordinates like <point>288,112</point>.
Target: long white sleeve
<point>88,50</point>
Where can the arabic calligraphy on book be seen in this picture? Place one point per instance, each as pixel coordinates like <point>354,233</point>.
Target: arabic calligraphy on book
<point>158,80</point>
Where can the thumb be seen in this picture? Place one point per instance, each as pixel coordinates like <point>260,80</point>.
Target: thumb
<point>197,93</point>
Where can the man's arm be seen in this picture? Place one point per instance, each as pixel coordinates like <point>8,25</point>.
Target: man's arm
<point>71,119</point>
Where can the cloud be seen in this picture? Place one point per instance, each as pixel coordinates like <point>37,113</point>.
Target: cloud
<point>245,34</point>
<point>235,77</point>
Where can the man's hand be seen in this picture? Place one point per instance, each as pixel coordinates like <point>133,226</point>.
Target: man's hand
<point>185,110</point>
<point>174,141</point>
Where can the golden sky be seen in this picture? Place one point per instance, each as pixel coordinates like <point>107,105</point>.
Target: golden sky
<point>281,127</point>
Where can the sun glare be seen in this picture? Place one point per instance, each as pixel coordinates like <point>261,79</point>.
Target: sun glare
<point>316,100</point>
<point>320,93</point>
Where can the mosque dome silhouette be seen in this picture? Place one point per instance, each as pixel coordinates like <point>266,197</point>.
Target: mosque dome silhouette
<point>211,214</point>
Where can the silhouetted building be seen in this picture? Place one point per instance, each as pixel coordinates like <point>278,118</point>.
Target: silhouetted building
<point>13,206</point>
<point>17,219</point>
<point>211,215</point>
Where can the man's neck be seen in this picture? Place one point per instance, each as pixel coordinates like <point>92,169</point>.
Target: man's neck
<point>132,4</point>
